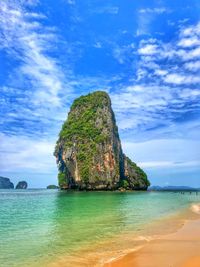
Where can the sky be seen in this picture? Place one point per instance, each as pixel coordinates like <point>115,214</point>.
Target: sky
<point>145,54</point>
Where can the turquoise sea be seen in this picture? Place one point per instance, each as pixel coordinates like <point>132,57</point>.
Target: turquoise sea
<point>38,227</point>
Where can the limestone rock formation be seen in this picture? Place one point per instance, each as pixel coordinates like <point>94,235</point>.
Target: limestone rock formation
<point>88,151</point>
<point>5,183</point>
<point>21,185</point>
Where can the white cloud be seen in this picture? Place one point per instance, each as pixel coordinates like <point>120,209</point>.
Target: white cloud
<point>192,65</point>
<point>164,86</point>
<point>141,107</point>
<point>169,153</point>
<point>20,153</point>
<point>190,94</point>
<point>147,107</point>
<point>160,72</point>
<point>191,30</point>
<point>158,10</point>
<point>184,49</point>
<point>120,53</point>
<point>181,79</point>
<point>22,38</point>
<point>149,49</point>
<point>172,62</point>
<point>193,53</point>
<point>189,42</point>
<point>145,18</point>
<point>167,164</point>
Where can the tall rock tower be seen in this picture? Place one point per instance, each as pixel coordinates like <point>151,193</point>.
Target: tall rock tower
<point>88,151</point>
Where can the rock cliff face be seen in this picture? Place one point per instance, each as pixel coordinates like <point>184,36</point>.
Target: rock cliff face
<point>5,183</point>
<point>88,151</point>
<point>21,185</point>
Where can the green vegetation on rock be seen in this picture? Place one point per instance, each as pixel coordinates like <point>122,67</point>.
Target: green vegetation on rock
<point>52,186</point>
<point>82,118</point>
<point>62,179</point>
<point>139,172</point>
<point>88,150</point>
<point>82,131</point>
<point>124,183</point>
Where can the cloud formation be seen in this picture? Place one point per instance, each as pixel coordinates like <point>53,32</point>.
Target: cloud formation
<point>24,37</point>
<point>165,87</point>
<point>22,154</point>
<point>54,53</point>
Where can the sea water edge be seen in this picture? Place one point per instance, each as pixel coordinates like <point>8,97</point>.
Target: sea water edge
<point>38,227</point>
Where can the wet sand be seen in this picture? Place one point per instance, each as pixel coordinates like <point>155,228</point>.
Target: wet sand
<point>180,249</point>
<point>172,242</point>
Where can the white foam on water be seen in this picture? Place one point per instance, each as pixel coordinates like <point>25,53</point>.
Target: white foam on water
<point>196,208</point>
<point>145,238</point>
<point>122,254</point>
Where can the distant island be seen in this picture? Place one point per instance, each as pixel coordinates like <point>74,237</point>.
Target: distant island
<point>5,183</point>
<point>89,153</point>
<point>52,186</point>
<point>172,188</point>
<point>22,185</point>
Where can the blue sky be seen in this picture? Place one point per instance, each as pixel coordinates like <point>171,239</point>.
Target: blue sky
<point>145,54</point>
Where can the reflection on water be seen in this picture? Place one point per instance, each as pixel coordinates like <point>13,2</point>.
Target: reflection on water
<point>38,225</point>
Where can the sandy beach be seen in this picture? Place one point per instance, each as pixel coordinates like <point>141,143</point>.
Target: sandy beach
<point>179,249</point>
<point>174,242</point>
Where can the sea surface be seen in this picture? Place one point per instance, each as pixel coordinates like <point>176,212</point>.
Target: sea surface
<point>39,227</point>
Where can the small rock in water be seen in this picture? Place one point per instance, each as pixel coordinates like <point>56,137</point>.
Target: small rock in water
<point>52,186</point>
<point>21,185</point>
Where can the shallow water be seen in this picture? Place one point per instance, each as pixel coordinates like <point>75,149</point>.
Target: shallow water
<point>38,226</point>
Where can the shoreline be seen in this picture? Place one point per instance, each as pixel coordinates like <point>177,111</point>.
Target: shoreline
<point>178,249</point>
<point>130,246</point>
